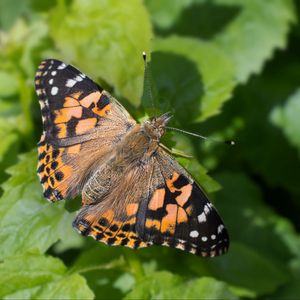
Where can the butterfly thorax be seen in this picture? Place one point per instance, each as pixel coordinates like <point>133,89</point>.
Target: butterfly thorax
<point>141,142</point>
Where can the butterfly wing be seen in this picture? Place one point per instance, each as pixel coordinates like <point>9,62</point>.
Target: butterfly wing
<point>179,214</point>
<point>155,204</point>
<point>81,124</point>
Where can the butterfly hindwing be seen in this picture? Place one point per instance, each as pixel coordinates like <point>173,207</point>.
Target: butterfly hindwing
<point>78,117</point>
<point>111,202</point>
<point>178,214</point>
<point>162,206</point>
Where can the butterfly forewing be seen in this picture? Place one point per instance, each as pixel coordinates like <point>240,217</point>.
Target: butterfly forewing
<point>78,116</point>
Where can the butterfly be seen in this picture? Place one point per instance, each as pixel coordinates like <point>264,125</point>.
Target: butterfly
<point>134,193</point>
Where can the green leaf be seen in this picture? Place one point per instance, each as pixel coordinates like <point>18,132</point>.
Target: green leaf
<point>194,18</point>
<point>9,145</point>
<point>10,120</point>
<point>30,276</point>
<point>291,289</point>
<point>165,285</point>
<point>109,41</point>
<point>193,77</point>
<point>286,117</point>
<point>192,165</point>
<point>255,224</point>
<point>10,12</point>
<point>8,84</point>
<point>103,267</point>
<point>165,13</point>
<point>27,221</point>
<point>251,38</point>
<point>246,271</point>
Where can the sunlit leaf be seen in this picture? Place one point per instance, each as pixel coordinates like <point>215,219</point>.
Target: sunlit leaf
<point>164,285</point>
<point>27,221</point>
<point>287,118</point>
<point>193,77</point>
<point>32,276</point>
<point>251,38</point>
<point>110,38</point>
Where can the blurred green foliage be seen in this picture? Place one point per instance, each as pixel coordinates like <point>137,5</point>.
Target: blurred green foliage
<point>225,68</point>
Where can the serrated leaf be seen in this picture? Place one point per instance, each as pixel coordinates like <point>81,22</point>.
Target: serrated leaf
<point>31,276</point>
<point>251,38</point>
<point>27,221</point>
<point>287,118</point>
<point>110,39</point>
<point>193,77</point>
<point>165,285</point>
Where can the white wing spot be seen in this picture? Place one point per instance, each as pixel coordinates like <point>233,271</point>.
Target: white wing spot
<point>220,228</point>
<point>54,90</point>
<point>51,81</point>
<point>78,78</point>
<point>42,104</point>
<point>213,236</point>
<point>82,75</point>
<point>62,66</point>
<point>206,209</point>
<point>70,82</point>
<point>194,234</point>
<point>204,238</point>
<point>180,246</point>
<point>202,218</point>
<point>212,254</point>
<point>53,73</point>
<point>193,250</point>
<point>45,73</point>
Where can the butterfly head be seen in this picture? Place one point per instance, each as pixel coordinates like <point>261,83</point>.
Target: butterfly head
<point>155,127</point>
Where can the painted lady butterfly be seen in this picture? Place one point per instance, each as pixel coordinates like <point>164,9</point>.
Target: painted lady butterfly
<point>133,192</point>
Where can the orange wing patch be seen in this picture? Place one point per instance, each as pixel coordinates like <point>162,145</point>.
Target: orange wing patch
<point>53,172</point>
<point>168,222</point>
<point>90,99</point>
<point>185,191</point>
<point>167,207</point>
<point>157,200</point>
<point>85,125</point>
<point>74,149</point>
<point>62,130</point>
<point>131,209</point>
<point>109,229</point>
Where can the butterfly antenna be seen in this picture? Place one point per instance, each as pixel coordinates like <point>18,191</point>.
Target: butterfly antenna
<point>147,82</point>
<point>228,142</point>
